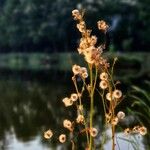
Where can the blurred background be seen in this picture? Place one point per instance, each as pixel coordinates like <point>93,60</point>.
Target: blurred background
<point>38,42</point>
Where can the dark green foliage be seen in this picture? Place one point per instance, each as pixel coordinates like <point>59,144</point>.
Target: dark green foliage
<point>48,25</point>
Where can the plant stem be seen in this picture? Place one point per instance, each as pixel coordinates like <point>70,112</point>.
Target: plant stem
<point>92,101</point>
<point>113,137</point>
<point>91,105</point>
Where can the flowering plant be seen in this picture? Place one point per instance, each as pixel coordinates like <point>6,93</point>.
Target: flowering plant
<point>100,73</point>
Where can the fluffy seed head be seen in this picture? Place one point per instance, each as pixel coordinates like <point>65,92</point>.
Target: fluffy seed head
<point>76,14</point>
<point>103,76</point>
<point>67,124</point>
<point>120,115</point>
<point>80,119</point>
<point>76,69</point>
<point>143,130</point>
<point>103,84</point>
<point>74,97</point>
<point>117,94</point>
<point>109,96</point>
<point>48,134</point>
<point>93,132</point>
<point>114,121</point>
<point>62,138</point>
<point>127,131</point>
<point>102,25</point>
<point>67,101</point>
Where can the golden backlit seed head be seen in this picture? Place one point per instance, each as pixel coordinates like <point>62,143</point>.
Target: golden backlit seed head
<point>117,94</point>
<point>76,14</point>
<point>127,131</point>
<point>109,96</point>
<point>114,121</point>
<point>80,119</point>
<point>48,134</point>
<point>108,118</point>
<point>74,97</point>
<point>67,124</point>
<point>120,115</point>
<point>76,69</point>
<point>67,101</point>
<point>62,138</point>
<point>84,75</point>
<point>93,40</point>
<point>135,129</point>
<point>103,76</point>
<point>81,26</point>
<point>80,108</point>
<point>103,84</point>
<point>143,130</point>
<point>93,132</point>
<point>83,70</point>
<point>102,25</point>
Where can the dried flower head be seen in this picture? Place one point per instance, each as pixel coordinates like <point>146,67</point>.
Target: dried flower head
<point>67,124</point>
<point>62,138</point>
<point>103,76</point>
<point>108,118</point>
<point>127,131</point>
<point>142,130</point>
<point>93,40</point>
<point>80,108</point>
<point>74,97</point>
<point>102,25</point>
<point>48,134</point>
<point>120,115</point>
<point>103,84</point>
<point>67,101</point>
<point>83,72</point>
<point>93,132</point>
<point>76,69</point>
<point>135,129</point>
<point>81,26</point>
<point>84,75</point>
<point>114,121</point>
<point>76,14</point>
<point>109,96</point>
<point>117,94</point>
<point>80,119</point>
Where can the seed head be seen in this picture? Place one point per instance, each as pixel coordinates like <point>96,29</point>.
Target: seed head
<point>143,130</point>
<point>80,119</point>
<point>102,25</point>
<point>93,132</point>
<point>62,138</point>
<point>120,115</point>
<point>74,97</point>
<point>48,134</point>
<point>103,84</point>
<point>76,69</point>
<point>67,124</point>
<point>127,131</point>
<point>109,96</point>
<point>103,76</point>
<point>67,101</point>
<point>114,121</point>
<point>117,94</point>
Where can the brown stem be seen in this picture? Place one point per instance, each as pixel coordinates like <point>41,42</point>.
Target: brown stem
<point>113,137</point>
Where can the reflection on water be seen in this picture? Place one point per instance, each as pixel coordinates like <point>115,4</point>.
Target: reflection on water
<point>27,109</point>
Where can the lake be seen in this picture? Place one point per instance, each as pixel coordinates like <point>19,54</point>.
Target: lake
<point>30,103</point>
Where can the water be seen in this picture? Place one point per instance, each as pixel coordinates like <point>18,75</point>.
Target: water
<point>29,106</point>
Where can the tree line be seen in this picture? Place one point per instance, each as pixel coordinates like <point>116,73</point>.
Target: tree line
<point>47,25</point>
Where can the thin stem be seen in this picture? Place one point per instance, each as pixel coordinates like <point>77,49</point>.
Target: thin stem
<point>80,103</point>
<point>93,85</point>
<point>113,137</point>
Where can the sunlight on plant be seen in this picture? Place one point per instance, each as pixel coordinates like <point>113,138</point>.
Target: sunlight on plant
<point>97,78</point>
